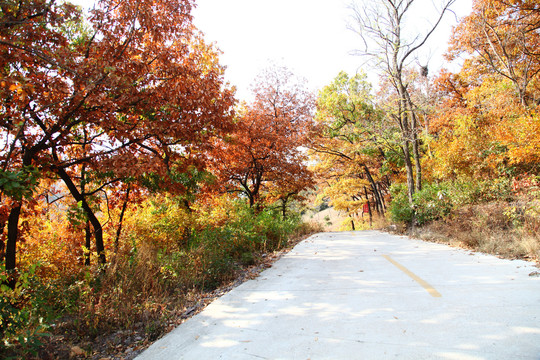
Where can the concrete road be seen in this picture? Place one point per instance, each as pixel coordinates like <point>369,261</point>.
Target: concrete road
<point>370,295</point>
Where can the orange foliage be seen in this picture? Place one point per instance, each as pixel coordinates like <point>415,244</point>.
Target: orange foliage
<point>264,150</point>
<point>134,92</point>
<point>503,38</point>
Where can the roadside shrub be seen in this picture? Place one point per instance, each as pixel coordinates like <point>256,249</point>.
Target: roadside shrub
<point>24,315</point>
<point>468,192</point>
<point>432,203</point>
<point>400,209</point>
<point>160,222</point>
<point>168,255</point>
<point>275,229</point>
<point>436,200</point>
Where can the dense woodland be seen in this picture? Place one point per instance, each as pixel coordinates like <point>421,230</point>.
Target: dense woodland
<point>133,181</point>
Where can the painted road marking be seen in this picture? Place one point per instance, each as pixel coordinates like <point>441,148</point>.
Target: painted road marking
<point>415,277</point>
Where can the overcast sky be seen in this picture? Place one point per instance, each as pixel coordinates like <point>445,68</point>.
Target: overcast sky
<point>308,36</point>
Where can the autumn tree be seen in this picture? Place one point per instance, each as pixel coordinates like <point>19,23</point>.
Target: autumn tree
<point>501,36</point>
<point>486,125</point>
<point>30,33</point>
<point>287,189</point>
<point>265,146</point>
<point>351,145</point>
<point>382,26</point>
<point>135,80</point>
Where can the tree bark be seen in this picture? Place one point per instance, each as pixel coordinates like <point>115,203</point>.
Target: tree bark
<point>373,184</point>
<point>409,169</point>
<point>13,234</point>
<point>284,207</point>
<point>13,229</point>
<point>120,221</point>
<point>369,208</point>
<point>2,243</point>
<point>98,230</point>
<point>88,243</point>
<point>415,140</point>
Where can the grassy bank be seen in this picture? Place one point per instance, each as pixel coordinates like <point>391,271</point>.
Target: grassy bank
<point>500,217</point>
<point>170,263</point>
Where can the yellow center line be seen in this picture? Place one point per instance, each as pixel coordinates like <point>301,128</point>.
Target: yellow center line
<point>413,276</point>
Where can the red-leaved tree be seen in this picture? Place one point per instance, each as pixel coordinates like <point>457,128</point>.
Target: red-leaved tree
<point>264,151</point>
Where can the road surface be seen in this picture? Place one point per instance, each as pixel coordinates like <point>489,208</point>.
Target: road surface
<point>369,295</point>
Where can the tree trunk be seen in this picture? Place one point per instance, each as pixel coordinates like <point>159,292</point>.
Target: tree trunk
<point>120,221</point>
<point>405,134</point>
<point>415,140</point>
<point>98,230</point>
<point>87,244</point>
<point>417,165</point>
<point>11,244</point>
<point>369,207</point>
<point>381,198</point>
<point>2,243</point>
<point>13,229</point>
<point>376,195</point>
<point>352,219</point>
<point>87,233</point>
<point>409,169</point>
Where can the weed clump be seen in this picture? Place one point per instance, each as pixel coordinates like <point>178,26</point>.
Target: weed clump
<point>170,259</point>
<point>500,217</point>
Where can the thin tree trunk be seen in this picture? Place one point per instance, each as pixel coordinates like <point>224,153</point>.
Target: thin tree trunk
<point>120,221</point>
<point>405,135</point>
<point>376,194</point>
<point>381,198</point>
<point>2,243</point>
<point>87,233</point>
<point>13,230</point>
<point>409,170</point>
<point>417,165</point>
<point>352,220</point>
<point>98,230</point>
<point>11,244</point>
<point>369,207</point>
<point>415,140</point>
<point>88,243</point>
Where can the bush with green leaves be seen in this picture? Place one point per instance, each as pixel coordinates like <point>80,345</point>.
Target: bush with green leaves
<point>400,209</point>
<point>436,200</point>
<point>431,203</point>
<point>24,314</point>
<point>468,192</point>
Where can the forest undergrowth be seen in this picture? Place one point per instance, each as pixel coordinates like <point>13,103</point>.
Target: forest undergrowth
<point>495,217</point>
<point>170,264</point>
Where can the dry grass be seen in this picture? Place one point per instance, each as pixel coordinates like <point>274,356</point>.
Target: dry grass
<point>330,220</point>
<point>145,293</point>
<point>326,220</point>
<point>508,230</point>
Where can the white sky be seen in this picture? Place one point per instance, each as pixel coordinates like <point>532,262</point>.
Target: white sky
<point>310,37</point>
